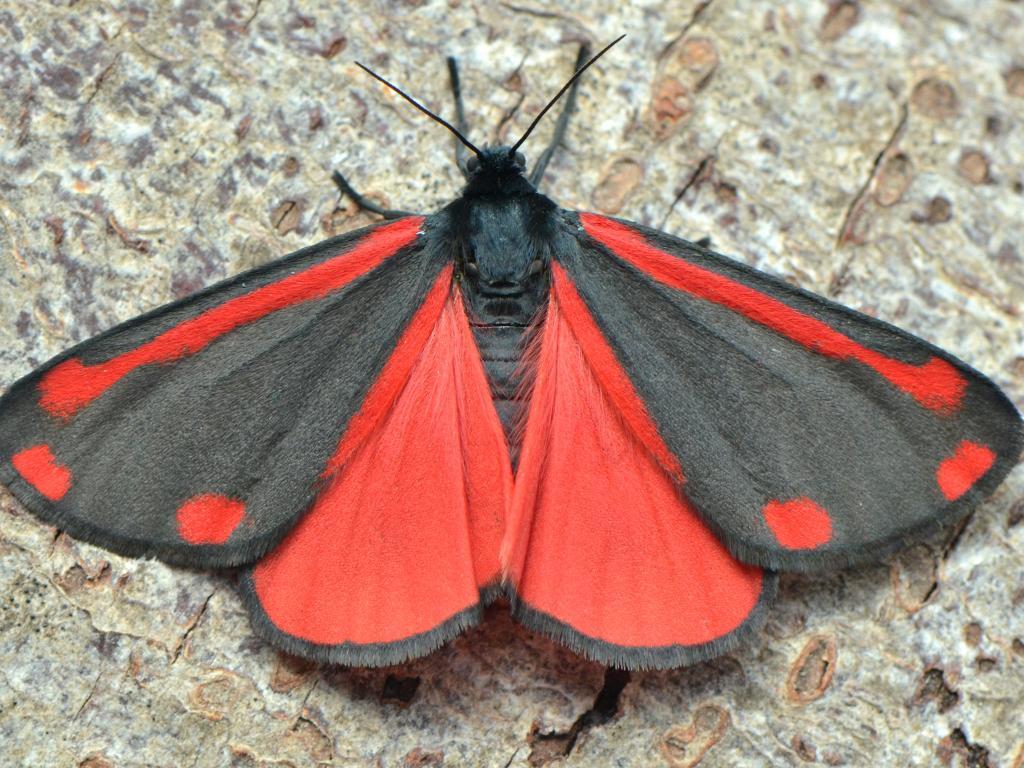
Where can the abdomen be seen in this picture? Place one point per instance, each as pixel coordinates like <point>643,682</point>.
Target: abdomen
<point>502,350</point>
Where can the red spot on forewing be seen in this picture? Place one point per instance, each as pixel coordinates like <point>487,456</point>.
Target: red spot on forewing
<point>71,385</point>
<point>599,536</point>
<point>40,469</point>
<point>960,471</point>
<point>798,523</point>
<point>209,518</point>
<point>407,527</point>
<point>936,384</point>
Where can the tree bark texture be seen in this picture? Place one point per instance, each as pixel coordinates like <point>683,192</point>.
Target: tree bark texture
<point>869,151</point>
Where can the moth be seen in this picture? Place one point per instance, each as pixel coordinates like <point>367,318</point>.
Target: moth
<point>624,433</point>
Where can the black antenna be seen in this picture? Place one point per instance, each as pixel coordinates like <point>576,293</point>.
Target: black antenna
<point>558,95</point>
<point>423,109</point>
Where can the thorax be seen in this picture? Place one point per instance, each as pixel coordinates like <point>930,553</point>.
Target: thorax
<point>503,258</point>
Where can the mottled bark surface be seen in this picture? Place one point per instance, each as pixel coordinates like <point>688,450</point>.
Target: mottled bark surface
<point>870,151</point>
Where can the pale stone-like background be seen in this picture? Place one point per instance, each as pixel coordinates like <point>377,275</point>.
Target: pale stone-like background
<point>871,151</point>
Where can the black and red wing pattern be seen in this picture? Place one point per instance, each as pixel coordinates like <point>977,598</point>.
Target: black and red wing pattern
<point>197,433</point>
<point>329,416</point>
<point>326,415</point>
<point>601,550</point>
<point>807,435</point>
<point>400,547</point>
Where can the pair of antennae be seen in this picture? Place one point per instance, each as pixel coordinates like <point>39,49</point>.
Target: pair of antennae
<point>529,130</point>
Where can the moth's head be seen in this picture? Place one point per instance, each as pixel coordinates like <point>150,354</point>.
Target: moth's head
<point>497,161</point>
<point>497,171</point>
<point>503,254</point>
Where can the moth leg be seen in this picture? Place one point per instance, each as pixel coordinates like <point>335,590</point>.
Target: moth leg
<point>460,115</point>
<point>364,203</point>
<point>704,242</point>
<point>563,121</point>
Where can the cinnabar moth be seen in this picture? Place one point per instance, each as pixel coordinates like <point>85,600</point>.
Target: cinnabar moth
<point>355,425</point>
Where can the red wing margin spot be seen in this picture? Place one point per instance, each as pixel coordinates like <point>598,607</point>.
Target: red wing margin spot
<point>406,531</point>
<point>798,523</point>
<point>958,473</point>
<point>936,384</point>
<point>72,385</point>
<point>209,518</point>
<point>603,550</point>
<point>40,469</point>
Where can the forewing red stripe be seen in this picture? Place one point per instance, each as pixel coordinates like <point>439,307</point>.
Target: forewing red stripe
<point>71,385</point>
<point>606,367</point>
<point>936,384</point>
<point>393,376</point>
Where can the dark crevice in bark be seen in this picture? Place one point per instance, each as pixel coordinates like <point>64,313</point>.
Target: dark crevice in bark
<point>400,689</point>
<point>548,747</point>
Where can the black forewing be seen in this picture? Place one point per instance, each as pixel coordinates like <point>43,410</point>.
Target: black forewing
<point>253,416</point>
<point>762,425</point>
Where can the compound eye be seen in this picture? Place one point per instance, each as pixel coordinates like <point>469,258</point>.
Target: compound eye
<point>473,164</point>
<point>469,262</point>
<point>520,159</point>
